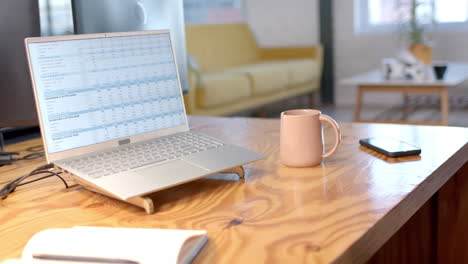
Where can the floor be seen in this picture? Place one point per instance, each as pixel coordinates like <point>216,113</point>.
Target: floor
<point>422,108</point>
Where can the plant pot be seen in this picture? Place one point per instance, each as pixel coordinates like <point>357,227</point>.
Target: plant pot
<point>422,52</point>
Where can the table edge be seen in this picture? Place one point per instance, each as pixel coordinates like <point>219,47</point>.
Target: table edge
<point>379,234</point>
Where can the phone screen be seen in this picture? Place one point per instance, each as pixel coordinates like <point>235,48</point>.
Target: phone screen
<point>391,145</point>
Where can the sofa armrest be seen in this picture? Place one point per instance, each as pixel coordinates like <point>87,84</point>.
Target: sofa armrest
<point>292,53</point>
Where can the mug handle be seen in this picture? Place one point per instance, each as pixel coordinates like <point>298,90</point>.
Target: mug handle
<point>335,126</point>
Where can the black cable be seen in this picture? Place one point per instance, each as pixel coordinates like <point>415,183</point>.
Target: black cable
<point>51,174</point>
<point>6,158</point>
<point>37,148</point>
<point>35,180</point>
<point>43,167</point>
<point>37,152</point>
<point>32,156</point>
<point>11,186</point>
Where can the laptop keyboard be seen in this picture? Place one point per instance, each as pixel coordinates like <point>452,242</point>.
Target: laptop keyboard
<point>141,154</point>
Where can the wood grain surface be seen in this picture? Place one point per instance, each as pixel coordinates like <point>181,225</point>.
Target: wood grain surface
<point>453,219</point>
<point>343,210</point>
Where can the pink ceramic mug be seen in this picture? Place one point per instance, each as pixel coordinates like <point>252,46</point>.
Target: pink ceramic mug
<point>301,137</point>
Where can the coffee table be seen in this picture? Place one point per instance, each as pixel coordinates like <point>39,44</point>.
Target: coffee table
<point>373,81</point>
<point>356,206</point>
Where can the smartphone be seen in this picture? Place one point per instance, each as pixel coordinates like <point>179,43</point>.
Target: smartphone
<point>390,147</point>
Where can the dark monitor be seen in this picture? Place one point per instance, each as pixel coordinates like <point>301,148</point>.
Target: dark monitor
<point>28,18</point>
<point>91,16</point>
<point>18,19</point>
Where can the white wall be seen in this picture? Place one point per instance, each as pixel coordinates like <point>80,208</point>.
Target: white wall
<point>284,22</point>
<point>355,54</point>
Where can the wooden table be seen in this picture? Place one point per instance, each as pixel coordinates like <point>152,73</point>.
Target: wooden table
<point>373,81</point>
<point>357,206</point>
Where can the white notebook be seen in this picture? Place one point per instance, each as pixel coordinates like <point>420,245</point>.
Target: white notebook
<point>114,245</point>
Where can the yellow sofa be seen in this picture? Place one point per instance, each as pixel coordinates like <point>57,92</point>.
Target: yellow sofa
<point>229,73</point>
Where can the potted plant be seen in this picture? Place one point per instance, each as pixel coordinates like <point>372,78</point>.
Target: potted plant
<point>417,22</point>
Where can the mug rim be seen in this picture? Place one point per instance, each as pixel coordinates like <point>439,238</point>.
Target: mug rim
<point>440,63</point>
<point>301,112</point>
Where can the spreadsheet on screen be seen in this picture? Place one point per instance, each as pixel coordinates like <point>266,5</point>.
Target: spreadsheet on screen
<point>101,89</point>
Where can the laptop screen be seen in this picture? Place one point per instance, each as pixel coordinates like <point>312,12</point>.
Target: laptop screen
<point>101,89</point>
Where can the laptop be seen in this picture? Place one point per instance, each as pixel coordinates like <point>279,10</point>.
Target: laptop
<point>112,115</point>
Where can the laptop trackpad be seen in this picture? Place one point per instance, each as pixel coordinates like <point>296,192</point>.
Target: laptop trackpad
<point>170,173</point>
<point>222,158</point>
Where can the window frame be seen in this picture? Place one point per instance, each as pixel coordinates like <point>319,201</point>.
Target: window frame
<point>242,9</point>
<point>363,26</point>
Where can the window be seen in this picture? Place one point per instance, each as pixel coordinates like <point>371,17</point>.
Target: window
<point>386,15</point>
<point>451,11</point>
<point>55,17</point>
<point>213,11</point>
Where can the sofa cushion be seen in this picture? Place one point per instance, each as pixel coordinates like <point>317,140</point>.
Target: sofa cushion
<point>221,46</point>
<point>221,88</point>
<point>302,70</point>
<point>265,77</point>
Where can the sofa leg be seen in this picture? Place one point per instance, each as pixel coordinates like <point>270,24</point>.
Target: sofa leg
<point>261,112</point>
<point>312,100</point>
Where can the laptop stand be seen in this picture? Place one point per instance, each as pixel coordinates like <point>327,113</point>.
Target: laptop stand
<point>145,201</point>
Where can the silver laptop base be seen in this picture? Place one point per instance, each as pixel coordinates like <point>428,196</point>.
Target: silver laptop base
<point>145,202</point>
